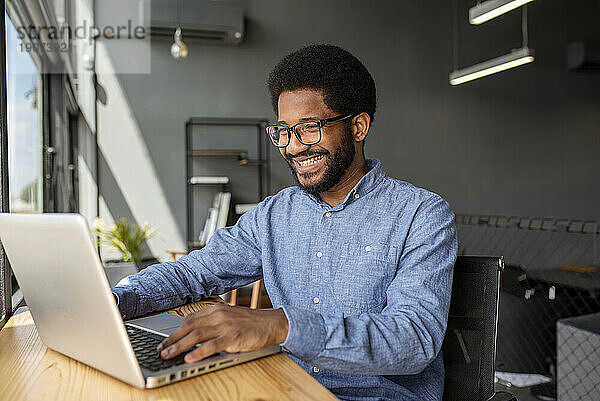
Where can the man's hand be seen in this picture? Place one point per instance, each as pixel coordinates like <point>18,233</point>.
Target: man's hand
<point>225,328</point>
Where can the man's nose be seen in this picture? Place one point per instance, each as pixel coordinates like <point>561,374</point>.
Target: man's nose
<point>295,146</point>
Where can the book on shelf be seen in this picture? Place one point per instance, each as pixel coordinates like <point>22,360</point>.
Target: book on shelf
<point>242,208</point>
<point>217,216</point>
<point>202,237</point>
<point>212,223</point>
<point>209,180</point>
<point>223,209</point>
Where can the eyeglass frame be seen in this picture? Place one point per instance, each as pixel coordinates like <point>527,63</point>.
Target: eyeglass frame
<point>321,123</point>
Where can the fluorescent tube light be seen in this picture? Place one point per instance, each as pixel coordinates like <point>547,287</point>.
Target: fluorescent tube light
<point>515,58</point>
<point>487,10</point>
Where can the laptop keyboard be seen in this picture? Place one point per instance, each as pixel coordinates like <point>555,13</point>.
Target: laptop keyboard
<point>144,345</point>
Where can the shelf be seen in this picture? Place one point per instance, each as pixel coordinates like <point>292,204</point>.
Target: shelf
<point>223,156</point>
<point>250,162</point>
<point>218,153</point>
<point>227,121</point>
<point>240,154</point>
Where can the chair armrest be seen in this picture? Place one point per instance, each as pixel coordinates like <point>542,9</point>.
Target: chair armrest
<point>502,396</point>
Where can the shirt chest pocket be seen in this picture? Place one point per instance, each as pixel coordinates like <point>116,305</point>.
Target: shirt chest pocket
<point>362,276</point>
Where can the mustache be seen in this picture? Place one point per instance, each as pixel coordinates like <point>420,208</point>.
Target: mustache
<point>306,153</point>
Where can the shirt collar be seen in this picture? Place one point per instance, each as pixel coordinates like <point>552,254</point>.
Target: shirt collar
<point>366,184</point>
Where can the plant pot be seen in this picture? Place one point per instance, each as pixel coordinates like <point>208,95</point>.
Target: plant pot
<point>147,262</point>
<point>115,270</point>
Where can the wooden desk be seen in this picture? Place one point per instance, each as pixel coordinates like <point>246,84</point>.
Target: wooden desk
<point>31,371</point>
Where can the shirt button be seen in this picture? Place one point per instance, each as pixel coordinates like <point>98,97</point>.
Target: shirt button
<point>316,370</point>
<point>356,196</point>
<point>368,248</point>
<point>328,214</point>
<point>316,300</point>
<point>319,254</point>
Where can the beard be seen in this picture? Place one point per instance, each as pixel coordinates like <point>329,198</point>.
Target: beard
<point>335,166</point>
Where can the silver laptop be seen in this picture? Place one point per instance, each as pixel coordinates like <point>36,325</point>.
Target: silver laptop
<point>58,269</point>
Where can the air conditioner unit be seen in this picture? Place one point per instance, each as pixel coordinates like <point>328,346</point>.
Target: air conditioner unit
<point>200,20</point>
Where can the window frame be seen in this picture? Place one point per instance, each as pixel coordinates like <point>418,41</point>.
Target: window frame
<point>5,273</point>
<point>14,13</point>
<point>15,19</point>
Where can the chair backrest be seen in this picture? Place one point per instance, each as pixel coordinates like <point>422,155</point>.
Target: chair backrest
<point>469,347</point>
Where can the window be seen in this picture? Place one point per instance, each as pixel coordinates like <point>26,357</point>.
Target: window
<point>25,139</point>
<point>25,142</point>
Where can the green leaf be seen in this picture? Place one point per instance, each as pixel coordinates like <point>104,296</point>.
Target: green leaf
<point>127,239</point>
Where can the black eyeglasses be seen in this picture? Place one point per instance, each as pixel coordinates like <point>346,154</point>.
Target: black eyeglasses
<point>307,132</point>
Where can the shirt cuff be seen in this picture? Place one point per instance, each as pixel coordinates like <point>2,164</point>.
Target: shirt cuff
<point>127,301</point>
<point>306,335</point>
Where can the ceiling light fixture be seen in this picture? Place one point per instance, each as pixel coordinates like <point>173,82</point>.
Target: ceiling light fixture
<point>490,9</point>
<point>515,58</point>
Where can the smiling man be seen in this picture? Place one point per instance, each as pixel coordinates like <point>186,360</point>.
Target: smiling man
<point>358,265</point>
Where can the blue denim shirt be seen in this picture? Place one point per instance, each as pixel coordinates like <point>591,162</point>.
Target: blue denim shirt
<point>365,285</point>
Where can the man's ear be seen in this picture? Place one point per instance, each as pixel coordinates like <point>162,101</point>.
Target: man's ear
<point>360,126</point>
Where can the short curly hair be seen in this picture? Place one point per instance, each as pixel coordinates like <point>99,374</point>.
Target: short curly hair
<point>347,85</point>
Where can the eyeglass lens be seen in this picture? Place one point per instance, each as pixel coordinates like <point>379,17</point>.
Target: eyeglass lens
<point>309,133</point>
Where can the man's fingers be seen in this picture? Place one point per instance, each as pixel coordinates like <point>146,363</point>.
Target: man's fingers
<point>186,342</point>
<point>180,345</point>
<point>178,334</point>
<point>208,348</point>
<point>196,320</point>
<point>190,323</point>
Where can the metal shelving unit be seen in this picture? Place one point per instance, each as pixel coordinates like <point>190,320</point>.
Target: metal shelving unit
<point>241,157</point>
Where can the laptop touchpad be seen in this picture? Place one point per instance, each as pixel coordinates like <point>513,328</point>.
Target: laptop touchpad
<point>164,324</point>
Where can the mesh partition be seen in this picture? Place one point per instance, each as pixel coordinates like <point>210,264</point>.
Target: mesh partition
<point>552,272</point>
<point>579,358</point>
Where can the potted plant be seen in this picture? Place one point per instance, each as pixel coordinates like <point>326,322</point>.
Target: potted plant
<point>128,239</point>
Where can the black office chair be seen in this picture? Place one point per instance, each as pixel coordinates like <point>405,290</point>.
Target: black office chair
<point>469,347</point>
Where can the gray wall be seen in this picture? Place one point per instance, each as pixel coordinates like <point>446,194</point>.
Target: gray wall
<point>524,142</point>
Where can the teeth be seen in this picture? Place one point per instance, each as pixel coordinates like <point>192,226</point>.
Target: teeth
<point>310,161</point>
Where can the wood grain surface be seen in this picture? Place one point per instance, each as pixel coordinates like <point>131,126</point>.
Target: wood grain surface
<point>31,371</point>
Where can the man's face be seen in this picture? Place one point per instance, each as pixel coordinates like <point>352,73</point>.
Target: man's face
<point>319,167</point>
